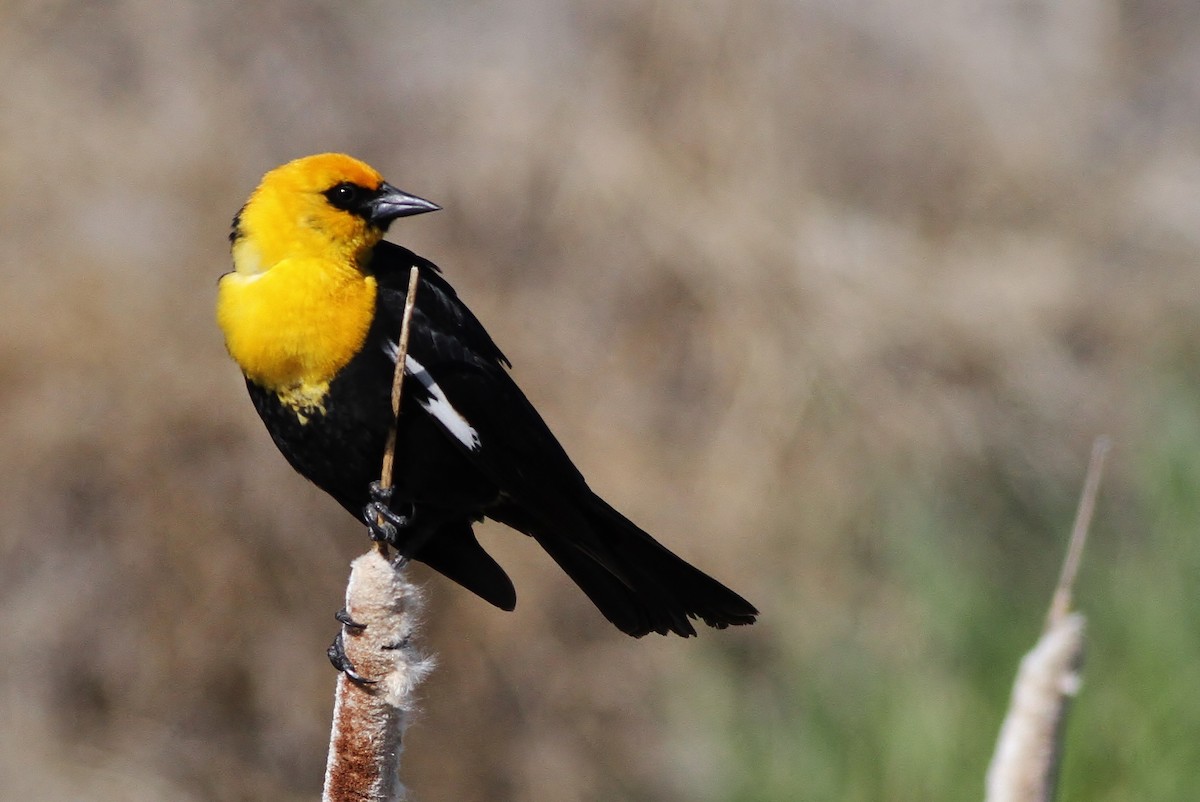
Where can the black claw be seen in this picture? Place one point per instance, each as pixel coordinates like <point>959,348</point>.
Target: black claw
<point>379,493</point>
<point>337,653</point>
<point>378,531</point>
<point>337,657</point>
<point>343,616</point>
<point>384,523</point>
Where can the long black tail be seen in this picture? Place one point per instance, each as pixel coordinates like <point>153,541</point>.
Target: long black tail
<point>637,584</point>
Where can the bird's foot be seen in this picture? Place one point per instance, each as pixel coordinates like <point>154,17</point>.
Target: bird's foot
<point>337,650</point>
<point>383,523</point>
<point>343,617</point>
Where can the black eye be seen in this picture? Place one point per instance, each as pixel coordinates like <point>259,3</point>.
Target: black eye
<point>345,195</point>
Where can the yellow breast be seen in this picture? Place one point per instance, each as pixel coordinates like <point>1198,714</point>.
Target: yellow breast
<point>292,328</point>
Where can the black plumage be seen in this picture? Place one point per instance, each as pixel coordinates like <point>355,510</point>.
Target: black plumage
<point>515,473</point>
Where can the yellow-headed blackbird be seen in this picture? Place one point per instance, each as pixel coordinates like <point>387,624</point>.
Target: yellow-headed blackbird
<point>312,314</point>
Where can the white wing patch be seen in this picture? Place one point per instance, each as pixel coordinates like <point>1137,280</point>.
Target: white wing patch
<point>437,404</point>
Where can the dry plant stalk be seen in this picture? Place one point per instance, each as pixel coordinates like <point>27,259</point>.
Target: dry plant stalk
<point>372,709</point>
<point>369,718</point>
<point>389,451</point>
<point>1024,767</point>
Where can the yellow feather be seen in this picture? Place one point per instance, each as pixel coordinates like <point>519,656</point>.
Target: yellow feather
<point>299,303</point>
<point>293,328</point>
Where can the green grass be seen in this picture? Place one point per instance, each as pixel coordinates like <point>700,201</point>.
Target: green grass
<point>958,588</point>
<point>1135,731</point>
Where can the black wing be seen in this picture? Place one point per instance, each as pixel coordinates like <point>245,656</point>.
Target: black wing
<point>635,582</point>
<point>516,450</point>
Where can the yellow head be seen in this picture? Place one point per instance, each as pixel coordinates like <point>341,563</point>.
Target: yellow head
<point>299,303</point>
<point>329,204</point>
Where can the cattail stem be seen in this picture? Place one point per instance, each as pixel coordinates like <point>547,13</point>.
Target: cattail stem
<point>1028,752</point>
<point>369,717</point>
<point>373,705</point>
<point>389,452</point>
<point>1079,532</point>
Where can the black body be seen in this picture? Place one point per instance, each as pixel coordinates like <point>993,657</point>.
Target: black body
<point>519,474</point>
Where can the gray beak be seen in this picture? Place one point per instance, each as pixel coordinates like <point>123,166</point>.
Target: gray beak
<point>391,203</point>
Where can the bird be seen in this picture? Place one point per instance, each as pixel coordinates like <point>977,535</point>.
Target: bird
<point>311,313</point>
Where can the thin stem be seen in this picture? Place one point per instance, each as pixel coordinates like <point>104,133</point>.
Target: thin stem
<point>389,453</point>
<point>1083,522</point>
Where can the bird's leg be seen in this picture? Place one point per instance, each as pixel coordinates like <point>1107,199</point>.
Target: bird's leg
<point>383,523</point>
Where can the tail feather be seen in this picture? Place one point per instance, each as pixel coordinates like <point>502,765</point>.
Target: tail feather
<point>658,575</point>
<point>454,552</point>
<point>627,609</point>
<point>636,582</point>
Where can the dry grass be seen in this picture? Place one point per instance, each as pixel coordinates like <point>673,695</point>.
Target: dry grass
<point>748,259</point>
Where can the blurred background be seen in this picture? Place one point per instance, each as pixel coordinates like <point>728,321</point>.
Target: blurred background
<point>830,296</point>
